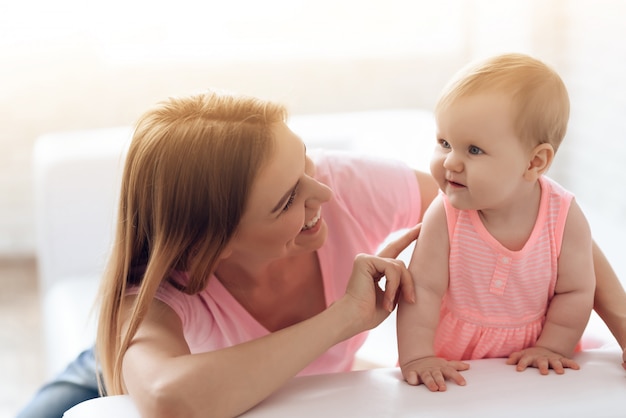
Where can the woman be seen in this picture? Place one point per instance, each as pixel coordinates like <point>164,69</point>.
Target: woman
<point>231,267</point>
<point>235,263</point>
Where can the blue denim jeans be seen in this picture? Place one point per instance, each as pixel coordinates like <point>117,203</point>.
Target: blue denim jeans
<point>77,383</point>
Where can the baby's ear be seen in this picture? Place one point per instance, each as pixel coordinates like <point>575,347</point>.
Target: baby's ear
<point>540,160</point>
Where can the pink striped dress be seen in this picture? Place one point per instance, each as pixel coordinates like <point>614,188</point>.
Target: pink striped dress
<point>497,299</point>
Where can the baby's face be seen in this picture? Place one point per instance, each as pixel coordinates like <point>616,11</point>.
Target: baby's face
<point>479,160</point>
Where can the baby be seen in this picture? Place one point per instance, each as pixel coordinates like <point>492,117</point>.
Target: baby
<point>503,265</point>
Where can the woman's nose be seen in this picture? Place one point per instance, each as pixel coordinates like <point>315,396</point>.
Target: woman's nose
<point>318,192</point>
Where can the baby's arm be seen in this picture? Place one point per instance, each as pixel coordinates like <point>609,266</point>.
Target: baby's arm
<point>418,321</point>
<point>571,305</point>
<point>610,299</point>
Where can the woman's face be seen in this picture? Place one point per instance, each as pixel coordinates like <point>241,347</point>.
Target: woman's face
<point>284,215</point>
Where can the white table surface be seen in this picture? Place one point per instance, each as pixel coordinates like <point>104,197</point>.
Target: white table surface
<point>493,389</point>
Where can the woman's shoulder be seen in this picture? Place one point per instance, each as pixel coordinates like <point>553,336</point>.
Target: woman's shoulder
<point>340,165</point>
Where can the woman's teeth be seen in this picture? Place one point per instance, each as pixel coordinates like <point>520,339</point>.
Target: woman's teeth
<point>312,222</point>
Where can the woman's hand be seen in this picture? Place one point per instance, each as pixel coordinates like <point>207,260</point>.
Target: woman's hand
<point>396,246</point>
<point>373,300</point>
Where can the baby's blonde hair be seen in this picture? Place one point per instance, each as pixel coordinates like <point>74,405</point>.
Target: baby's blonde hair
<point>540,102</point>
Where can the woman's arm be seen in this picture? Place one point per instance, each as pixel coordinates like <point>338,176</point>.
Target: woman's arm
<point>165,380</point>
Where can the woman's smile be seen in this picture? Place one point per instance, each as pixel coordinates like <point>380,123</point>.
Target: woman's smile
<point>313,224</point>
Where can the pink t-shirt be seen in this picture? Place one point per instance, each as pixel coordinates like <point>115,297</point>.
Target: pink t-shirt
<point>372,198</point>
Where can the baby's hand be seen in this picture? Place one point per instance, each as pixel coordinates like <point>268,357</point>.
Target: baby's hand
<point>543,359</point>
<point>433,372</point>
<point>624,359</point>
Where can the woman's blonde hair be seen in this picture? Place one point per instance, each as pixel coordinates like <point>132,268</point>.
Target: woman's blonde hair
<point>539,97</point>
<point>185,185</point>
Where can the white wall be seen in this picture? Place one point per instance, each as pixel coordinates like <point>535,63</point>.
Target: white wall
<point>72,64</point>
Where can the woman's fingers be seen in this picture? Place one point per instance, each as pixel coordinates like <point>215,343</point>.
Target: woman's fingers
<point>396,246</point>
<point>397,279</point>
<point>400,282</point>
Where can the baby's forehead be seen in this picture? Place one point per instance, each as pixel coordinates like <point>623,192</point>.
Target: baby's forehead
<point>494,92</point>
<point>476,101</point>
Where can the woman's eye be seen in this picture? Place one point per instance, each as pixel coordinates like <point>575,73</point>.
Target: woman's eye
<point>475,150</point>
<point>292,197</point>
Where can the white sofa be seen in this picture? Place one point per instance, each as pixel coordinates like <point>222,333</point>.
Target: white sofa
<point>76,182</point>
<point>76,176</point>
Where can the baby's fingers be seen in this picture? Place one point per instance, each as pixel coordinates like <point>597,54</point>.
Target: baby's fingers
<point>434,381</point>
<point>452,372</point>
<point>524,359</point>
<point>566,363</point>
<point>412,378</point>
<point>519,359</point>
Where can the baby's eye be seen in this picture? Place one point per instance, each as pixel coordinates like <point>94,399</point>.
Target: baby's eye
<point>443,143</point>
<point>475,150</point>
